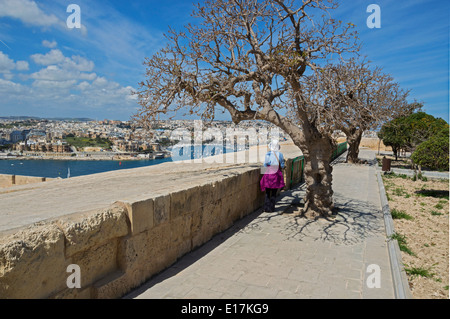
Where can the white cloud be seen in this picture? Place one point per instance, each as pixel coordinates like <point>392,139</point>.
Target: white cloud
<point>63,84</point>
<point>34,14</point>
<point>106,91</point>
<point>22,65</point>
<point>100,82</point>
<point>28,12</point>
<point>56,57</point>
<point>61,72</point>
<point>49,44</point>
<point>50,73</point>
<point>7,64</point>
<point>88,76</point>
<point>55,73</point>
<point>78,63</point>
<point>8,76</point>
<point>9,88</point>
<point>54,85</point>
<point>83,86</point>
<point>53,57</point>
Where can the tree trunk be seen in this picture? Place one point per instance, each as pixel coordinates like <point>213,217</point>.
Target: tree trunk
<point>318,177</point>
<point>395,151</point>
<point>353,140</point>
<point>317,150</point>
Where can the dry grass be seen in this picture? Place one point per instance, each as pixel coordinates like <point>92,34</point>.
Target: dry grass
<point>421,217</point>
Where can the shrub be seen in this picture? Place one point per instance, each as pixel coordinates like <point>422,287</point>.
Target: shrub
<point>409,131</point>
<point>434,153</point>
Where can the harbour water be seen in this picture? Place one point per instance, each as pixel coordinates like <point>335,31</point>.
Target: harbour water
<point>70,168</point>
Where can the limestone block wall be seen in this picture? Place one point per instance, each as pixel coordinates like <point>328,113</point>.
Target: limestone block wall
<point>372,143</point>
<point>120,247</point>
<point>11,180</point>
<point>5,180</point>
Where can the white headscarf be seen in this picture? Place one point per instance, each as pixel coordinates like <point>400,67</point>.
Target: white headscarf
<point>274,146</point>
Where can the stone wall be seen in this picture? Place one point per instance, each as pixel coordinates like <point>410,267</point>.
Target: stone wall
<point>372,143</point>
<point>120,247</point>
<point>11,180</point>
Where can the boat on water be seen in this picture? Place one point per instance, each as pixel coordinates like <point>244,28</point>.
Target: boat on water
<point>159,155</point>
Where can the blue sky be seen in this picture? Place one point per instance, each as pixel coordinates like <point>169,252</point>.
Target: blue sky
<point>49,70</point>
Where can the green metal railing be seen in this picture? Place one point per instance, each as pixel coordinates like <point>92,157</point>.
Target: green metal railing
<point>341,148</point>
<point>298,163</point>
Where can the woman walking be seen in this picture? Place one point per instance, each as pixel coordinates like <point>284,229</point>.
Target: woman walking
<point>273,178</point>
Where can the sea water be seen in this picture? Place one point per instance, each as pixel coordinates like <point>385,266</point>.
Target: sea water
<point>70,168</point>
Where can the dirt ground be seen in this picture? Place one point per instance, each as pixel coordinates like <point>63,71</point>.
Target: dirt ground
<point>424,232</point>
<point>402,162</point>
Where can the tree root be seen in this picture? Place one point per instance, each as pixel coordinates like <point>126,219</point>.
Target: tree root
<point>315,214</point>
<point>358,161</point>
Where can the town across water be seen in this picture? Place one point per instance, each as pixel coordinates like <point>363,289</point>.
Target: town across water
<point>54,168</point>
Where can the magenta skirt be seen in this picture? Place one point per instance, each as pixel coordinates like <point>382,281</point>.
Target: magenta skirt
<point>272,179</point>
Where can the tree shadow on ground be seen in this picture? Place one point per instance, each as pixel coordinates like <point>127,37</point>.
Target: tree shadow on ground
<point>433,193</point>
<point>352,222</point>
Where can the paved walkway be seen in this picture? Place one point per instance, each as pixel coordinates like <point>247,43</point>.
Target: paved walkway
<point>279,256</point>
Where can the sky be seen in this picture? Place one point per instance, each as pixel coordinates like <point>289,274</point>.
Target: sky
<point>50,67</point>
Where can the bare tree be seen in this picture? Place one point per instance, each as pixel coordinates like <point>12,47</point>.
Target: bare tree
<point>248,57</point>
<point>359,98</point>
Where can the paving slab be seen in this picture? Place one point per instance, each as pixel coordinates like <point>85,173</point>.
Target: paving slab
<point>279,255</point>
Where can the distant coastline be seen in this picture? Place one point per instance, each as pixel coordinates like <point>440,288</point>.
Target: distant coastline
<point>90,157</point>
<point>62,166</point>
<point>71,158</point>
<point>194,150</point>
<point>25,118</point>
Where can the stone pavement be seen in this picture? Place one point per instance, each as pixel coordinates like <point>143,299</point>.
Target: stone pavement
<point>428,174</point>
<point>281,256</point>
